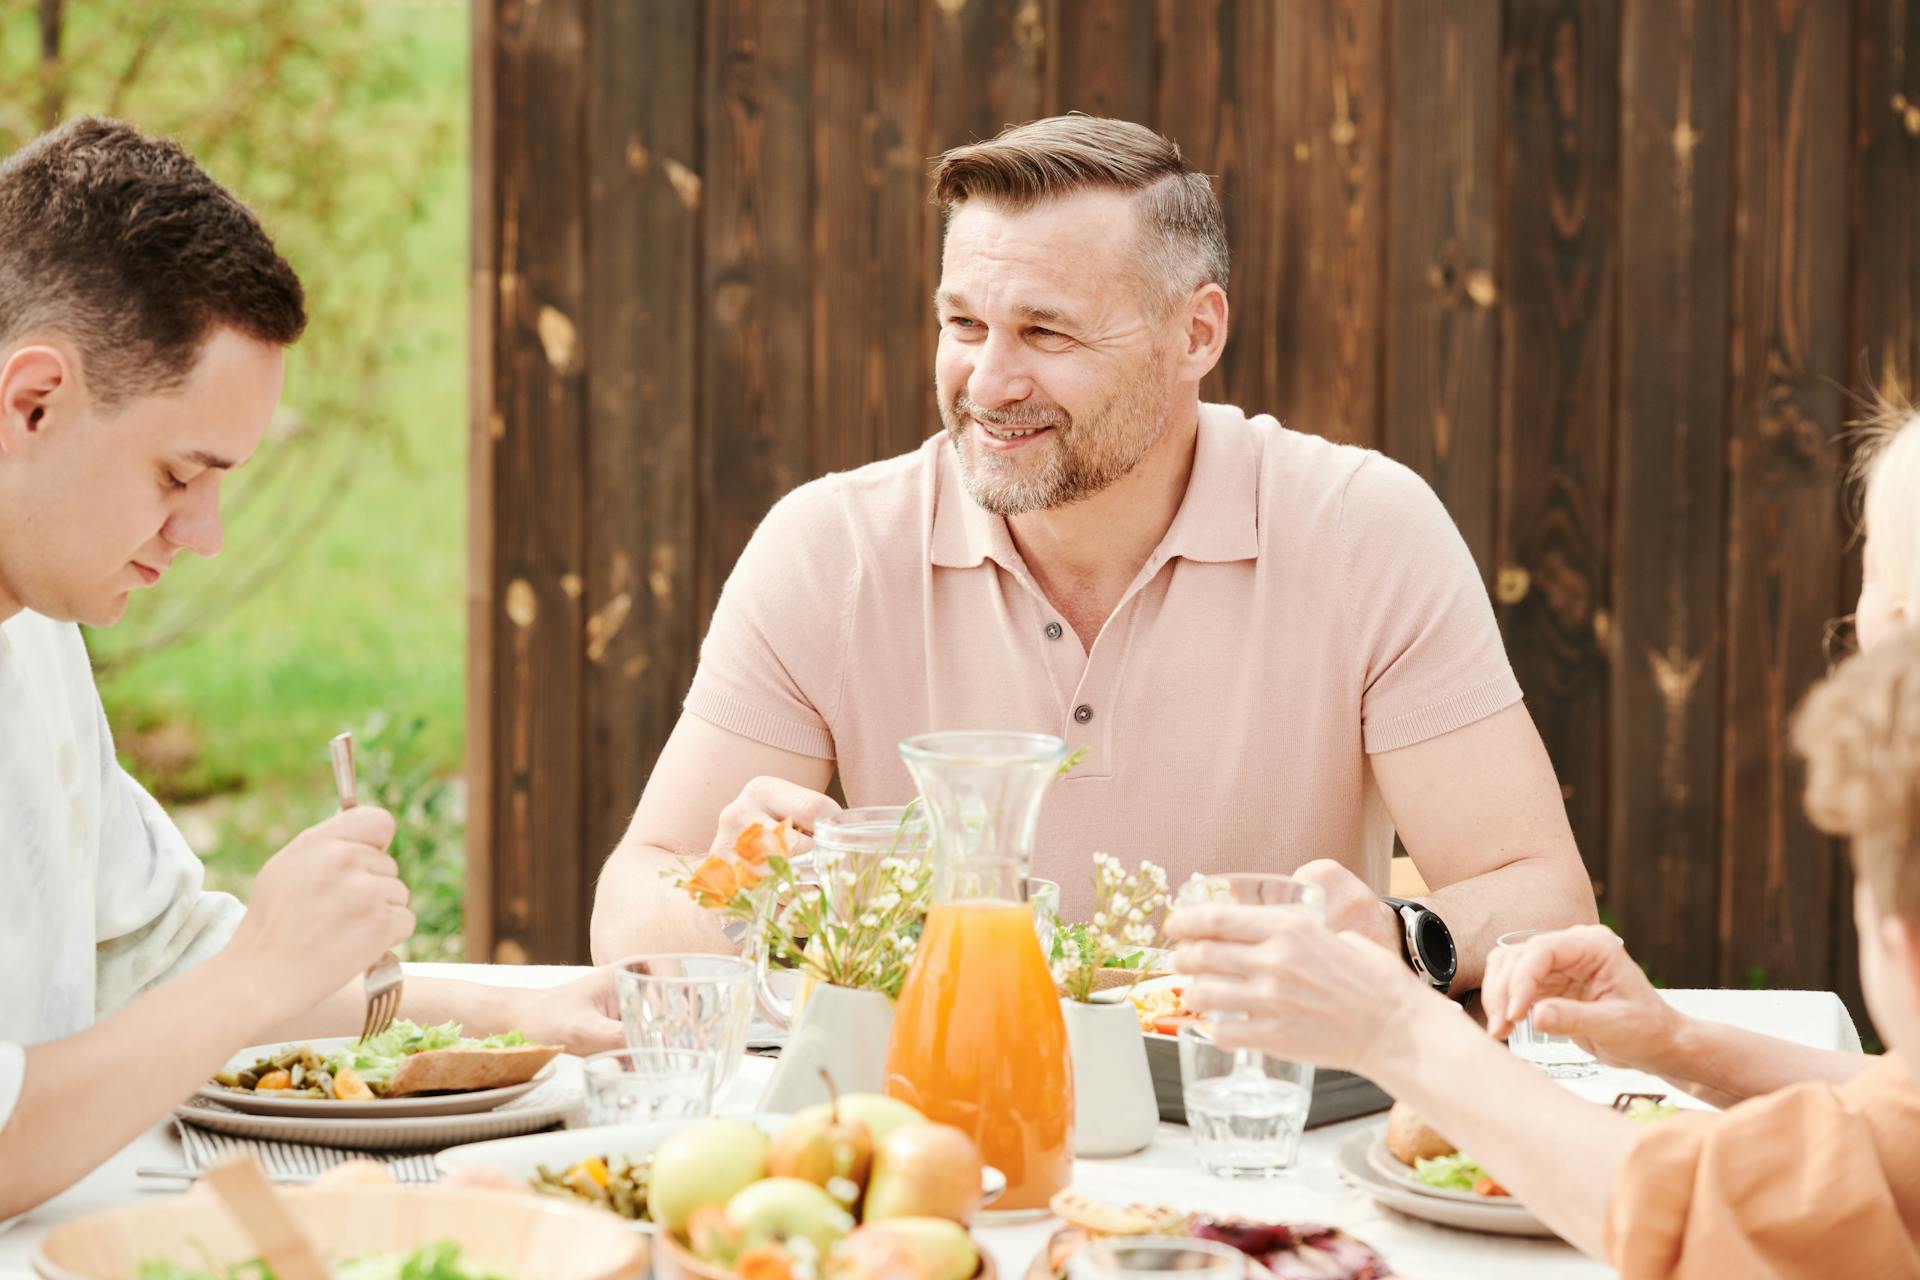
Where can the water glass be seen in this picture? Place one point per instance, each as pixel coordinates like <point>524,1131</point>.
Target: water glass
<point>1558,1056</point>
<point>689,1002</point>
<point>1246,1109</point>
<point>1157,1258</point>
<point>634,1086</point>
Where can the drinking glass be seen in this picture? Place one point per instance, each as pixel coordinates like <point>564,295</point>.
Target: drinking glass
<point>1157,1258</point>
<point>634,1086</point>
<point>689,1002</point>
<point>1246,1109</point>
<point>1558,1056</point>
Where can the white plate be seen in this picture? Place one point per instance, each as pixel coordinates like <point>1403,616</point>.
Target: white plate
<point>433,1104</point>
<point>521,1158</point>
<point>1388,1166</point>
<point>547,1104</point>
<point>1510,1219</point>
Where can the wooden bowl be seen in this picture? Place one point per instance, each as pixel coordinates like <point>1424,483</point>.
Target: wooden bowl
<point>673,1261</point>
<point>516,1234</point>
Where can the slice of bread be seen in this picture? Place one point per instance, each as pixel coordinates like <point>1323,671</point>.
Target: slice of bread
<point>464,1070</point>
<point>1410,1138</point>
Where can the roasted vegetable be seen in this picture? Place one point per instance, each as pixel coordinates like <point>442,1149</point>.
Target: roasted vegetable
<point>618,1185</point>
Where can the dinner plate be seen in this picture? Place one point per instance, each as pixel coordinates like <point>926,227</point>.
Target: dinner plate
<point>1511,1219</point>
<point>521,1158</point>
<point>431,1104</point>
<point>1388,1166</point>
<point>550,1102</point>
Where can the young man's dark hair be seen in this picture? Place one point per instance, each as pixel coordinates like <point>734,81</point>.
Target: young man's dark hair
<point>123,245</point>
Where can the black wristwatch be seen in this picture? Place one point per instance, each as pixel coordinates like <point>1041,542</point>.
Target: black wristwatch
<point>1426,942</point>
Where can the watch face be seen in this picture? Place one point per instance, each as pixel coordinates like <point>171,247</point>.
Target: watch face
<point>1436,946</point>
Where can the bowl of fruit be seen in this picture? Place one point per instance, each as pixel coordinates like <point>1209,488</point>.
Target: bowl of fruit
<point>862,1188</point>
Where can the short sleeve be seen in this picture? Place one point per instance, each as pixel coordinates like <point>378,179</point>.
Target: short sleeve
<point>1431,654</point>
<point>154,918</point>
<point>1792,1183</point>
<point>774,657</point>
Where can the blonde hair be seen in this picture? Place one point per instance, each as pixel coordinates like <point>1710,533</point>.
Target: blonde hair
<point>1184,235</point>
<point>1859,731</point>
<point>1888,467</point>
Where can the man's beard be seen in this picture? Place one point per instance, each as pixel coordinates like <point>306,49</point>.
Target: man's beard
<point>1085,457</point>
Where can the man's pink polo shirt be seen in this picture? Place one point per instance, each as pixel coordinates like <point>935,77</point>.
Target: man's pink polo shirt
<point>1311,604</point>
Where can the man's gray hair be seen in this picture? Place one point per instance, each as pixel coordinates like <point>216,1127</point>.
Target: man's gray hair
<point>1185,237</point>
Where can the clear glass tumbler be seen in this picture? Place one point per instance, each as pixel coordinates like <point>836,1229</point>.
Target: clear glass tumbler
<point>1558,1056</point>
<point>635,1086</point>
<point>689,1002</point>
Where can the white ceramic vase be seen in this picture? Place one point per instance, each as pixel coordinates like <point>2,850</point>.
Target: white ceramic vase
<point>837,1030</point>
<point>1114,1112</point>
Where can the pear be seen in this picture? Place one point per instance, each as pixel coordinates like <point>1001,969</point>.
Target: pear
<point>881,1114</point>
<point>704,1164</point>
<point>925,1170</point>
<point>830,1150</point>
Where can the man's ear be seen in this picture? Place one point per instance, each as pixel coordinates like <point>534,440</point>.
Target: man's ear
<point>37,383</point>
<point>1205,332</point>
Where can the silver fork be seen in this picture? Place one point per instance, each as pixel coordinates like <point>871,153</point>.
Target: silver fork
<point>383,978</point>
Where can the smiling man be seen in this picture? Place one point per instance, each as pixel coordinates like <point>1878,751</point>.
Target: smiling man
<point>143,316</point>
<point>1274,650</point>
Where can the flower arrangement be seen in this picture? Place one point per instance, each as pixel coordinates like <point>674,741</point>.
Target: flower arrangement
<point>854,922</point>
<point>1129,908</point>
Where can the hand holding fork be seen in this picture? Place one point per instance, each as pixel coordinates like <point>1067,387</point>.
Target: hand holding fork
<point>383,981</point>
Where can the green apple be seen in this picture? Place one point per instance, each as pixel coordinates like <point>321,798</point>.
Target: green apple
<point>924,1170</point>
<point>937,1248</point>
<point>881,1114</point>
<point>705,1164</point>
<point>782,1209</point>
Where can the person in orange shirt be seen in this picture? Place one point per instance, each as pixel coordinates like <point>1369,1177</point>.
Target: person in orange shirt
<point>1816,1168</point>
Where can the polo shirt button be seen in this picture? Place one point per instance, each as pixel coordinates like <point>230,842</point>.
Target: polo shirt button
<point>1083,713</point>
<point>1055,631</point>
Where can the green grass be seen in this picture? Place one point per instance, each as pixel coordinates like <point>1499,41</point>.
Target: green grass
<point>367,618</point>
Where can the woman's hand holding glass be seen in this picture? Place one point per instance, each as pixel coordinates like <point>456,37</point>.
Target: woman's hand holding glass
<point>1582,983</point>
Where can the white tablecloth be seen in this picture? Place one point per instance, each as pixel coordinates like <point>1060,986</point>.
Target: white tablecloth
<point>1165,1173</point>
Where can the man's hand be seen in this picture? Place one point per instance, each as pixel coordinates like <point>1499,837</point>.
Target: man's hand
<point>583,1015</point>
<point>1582,983</point>
<point>1352,907</point>
<point>769,802</point>
<point>322,910</point>
<point>1308,993</point>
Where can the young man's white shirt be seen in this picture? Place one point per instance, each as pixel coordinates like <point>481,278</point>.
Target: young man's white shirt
<point>100,896</point>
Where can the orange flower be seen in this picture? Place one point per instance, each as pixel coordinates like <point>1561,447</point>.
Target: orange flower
<point>764,1262</point>
<point>759,841</point>
<point>714,882</point>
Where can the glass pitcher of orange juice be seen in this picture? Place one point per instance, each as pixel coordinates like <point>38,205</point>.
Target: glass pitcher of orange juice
<point>978,1040</point>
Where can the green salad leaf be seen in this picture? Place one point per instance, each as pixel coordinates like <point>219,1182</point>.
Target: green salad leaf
<point>1646,1110</point>
<point>1449,1173</point>
<point>375,1060</point>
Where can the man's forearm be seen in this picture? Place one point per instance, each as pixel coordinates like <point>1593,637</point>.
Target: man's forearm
<point>1724,1065</point>
<point>1530,893</point>
<point>90,1094</point>
<point>1556,1152</point>
<point>637,909</point>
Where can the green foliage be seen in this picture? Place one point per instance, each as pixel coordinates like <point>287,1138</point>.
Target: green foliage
<point>430,821</point>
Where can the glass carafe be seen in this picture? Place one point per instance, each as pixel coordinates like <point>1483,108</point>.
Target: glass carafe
<point>978,1039</point>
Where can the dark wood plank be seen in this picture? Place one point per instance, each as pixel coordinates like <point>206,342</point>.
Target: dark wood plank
<point>1440,413</point>
<point>1556,392</point>
<point>641,550</point>
<point>1332,134</point>
<point>1218,99</point>
<point>538,468</point>
<point>1787,361</point>
<point>872,337</point>
<point>1675,185</point>
<point>483,408</point>
<point>989,60</point>
<point>756,273</point>
<point>1886,257</point>
<point>1101,58</point>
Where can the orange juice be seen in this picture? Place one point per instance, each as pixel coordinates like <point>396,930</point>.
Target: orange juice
<point>979,1043</point>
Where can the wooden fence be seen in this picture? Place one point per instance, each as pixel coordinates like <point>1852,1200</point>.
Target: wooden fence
<point>1604,272</point>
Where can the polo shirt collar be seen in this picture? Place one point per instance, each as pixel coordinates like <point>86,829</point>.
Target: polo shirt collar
<point>1218,519</point>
